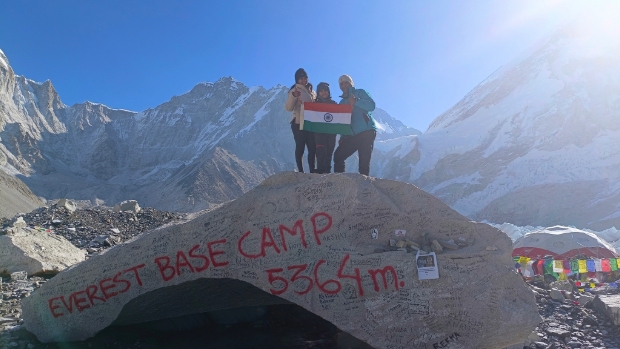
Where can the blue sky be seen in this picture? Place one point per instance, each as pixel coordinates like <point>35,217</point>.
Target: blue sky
<point>416,58</point>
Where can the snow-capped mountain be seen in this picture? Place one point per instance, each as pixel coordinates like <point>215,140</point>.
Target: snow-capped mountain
<point>537,142</point>
<point>204,147</point>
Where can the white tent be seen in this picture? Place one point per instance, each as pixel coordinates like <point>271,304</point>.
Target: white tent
<point>562,243</point>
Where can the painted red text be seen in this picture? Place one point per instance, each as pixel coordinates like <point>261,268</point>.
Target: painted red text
<point>191,262</point>
<point>97,293</point>
<point>321,223</point>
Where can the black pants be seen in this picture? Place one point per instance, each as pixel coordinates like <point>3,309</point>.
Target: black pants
<point>362,143</point>
<point>303,139</point>
<point>325,144</point>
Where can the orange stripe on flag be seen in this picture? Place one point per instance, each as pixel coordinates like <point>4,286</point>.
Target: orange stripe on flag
<point>328,108</point>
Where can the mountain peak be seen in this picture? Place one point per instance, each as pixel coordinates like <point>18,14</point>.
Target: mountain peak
<point>230,82</point>
<point>4,62</point>
<point>573,60</point>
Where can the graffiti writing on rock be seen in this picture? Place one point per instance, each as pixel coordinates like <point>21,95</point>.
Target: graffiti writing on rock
<point>192,262</point>
<point>321,222</point>
<point>303,279</point>
<point>330,276</point>
<point>444,343</point>
<point>96,293</point>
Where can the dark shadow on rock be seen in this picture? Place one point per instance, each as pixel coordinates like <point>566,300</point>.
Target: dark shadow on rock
<point>198,296</point>
<point>279,326</point>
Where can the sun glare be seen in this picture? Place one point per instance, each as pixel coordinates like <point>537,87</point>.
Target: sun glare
<point>597,29</point>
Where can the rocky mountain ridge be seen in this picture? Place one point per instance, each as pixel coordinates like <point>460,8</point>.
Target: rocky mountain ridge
<point>186,154</point>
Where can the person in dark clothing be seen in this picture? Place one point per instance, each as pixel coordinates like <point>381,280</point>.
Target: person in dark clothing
<point>301,92</point>
<point>363,127</point>
<point>325,142</point>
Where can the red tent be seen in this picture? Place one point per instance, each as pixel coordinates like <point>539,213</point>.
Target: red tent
<point>562,243</point>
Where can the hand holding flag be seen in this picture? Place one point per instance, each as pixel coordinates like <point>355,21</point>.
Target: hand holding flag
<point>352,98</point>
<point>296,94</point>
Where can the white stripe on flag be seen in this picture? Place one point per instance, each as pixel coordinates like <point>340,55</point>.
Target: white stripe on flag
<point>330,118</point>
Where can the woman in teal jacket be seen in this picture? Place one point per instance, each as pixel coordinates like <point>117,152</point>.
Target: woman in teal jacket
<point>363,127</point>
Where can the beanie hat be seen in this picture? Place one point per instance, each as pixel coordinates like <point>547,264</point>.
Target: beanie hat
<point>322,86</point>
<point>345,78</point>
<point>300,73</point>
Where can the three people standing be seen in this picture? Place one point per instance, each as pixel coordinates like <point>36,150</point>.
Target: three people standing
<point>363,127</point>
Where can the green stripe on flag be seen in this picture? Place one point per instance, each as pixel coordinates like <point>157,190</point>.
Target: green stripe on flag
<point>323,127</point>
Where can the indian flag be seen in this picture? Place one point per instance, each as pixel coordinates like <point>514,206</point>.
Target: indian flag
<point>326,118</point>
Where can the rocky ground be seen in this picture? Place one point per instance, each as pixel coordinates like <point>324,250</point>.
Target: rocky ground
<point>95,228</point>
<point>566,324</point>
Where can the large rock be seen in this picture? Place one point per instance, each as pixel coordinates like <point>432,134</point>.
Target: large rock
<point>67,204</point>
<point>557,295</point>
<point>585,298</point>
<point>305,239</point>
<point>127,205</point>
<point>610,306</point>
<point>36,252</point>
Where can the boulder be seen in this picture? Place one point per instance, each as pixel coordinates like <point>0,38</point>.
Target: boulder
<point>127,205</point>
<point>68,204</point>
<point>16,226</point>
<point>585,298</point>
<point>610,306</point>
<point>310,240</point>
<point>557,295</point>
<point>104,240</point>
<point>37,252</point>
<point>562,285</point>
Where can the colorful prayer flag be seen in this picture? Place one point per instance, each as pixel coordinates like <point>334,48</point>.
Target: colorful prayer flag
<point>606,265</point>
<point>591,265</point>
<point>574,266</point>
<point>583,268</point>
<point>557,266</point>
<point>598,265</point>
<point>540,267</point>
<point>548,266</point>
<point>566,267</point>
